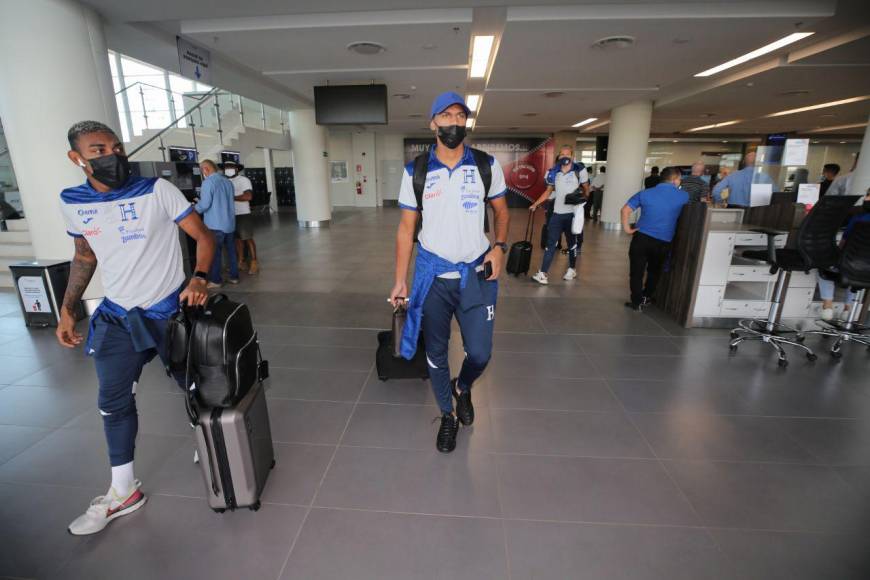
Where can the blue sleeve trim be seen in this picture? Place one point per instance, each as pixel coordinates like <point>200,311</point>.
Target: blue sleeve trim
<point>502,193</point>
<point>74,235</point>
<point>184,214</point>
<point>404,206</point>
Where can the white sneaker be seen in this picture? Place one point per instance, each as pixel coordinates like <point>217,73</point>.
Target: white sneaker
<point>104,509</point>
<point>541,278</point>
<point>570,274</point>
<point>827,313</point>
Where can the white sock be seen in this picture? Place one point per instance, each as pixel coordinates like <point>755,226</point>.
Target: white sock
<point>122,480</point>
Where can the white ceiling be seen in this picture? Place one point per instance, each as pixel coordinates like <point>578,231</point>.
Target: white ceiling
<point>545,46</point>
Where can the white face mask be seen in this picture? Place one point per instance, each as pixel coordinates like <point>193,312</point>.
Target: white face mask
<point>230,172</point>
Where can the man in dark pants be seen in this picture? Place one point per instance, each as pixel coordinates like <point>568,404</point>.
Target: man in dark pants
<point>653,178</point>
<point>660,208</point>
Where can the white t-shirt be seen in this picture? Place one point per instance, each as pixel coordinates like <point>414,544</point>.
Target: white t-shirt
<point>598,181</point>
<point>241,184</point>
<point>134,235</point>
<point>453,207</point>
<point>564,183</point>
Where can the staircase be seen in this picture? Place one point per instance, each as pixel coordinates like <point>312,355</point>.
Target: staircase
<point>14,247</point>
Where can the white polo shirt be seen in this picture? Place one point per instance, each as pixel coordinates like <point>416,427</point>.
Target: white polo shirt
<point>564,183</point>
<point>134,235</point>
<point>241,184</point>
<point>453,207</point>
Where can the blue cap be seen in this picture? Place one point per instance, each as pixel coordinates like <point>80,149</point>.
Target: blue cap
<point>444,100</point>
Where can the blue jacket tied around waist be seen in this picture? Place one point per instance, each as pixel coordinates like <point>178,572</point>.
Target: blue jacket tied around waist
<point>427,267</point>
<point>143,335</point>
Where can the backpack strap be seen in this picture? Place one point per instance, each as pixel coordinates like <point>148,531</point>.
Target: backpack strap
<point>421,167</point>
<point>481,160</point>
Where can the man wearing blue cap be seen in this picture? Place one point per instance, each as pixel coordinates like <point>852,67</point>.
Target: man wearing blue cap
<point>452,257</point>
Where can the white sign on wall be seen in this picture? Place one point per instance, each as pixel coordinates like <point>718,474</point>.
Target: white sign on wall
<point>33,295</point>
<point>194,62</point>
<point>796,151</point>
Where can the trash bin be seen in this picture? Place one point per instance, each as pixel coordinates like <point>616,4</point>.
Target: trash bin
<point>40,286</point>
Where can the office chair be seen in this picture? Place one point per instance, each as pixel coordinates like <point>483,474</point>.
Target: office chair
<point>816,248</point>
<point>853,272</point>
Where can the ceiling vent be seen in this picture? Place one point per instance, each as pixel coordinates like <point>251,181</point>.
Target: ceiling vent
<point>614,43</point>
<point>415,116</point>
<point>402,96</point>
<point>554,94</point>
<point>796,93</point>
<point>366,48</point>
<point>530,114</point>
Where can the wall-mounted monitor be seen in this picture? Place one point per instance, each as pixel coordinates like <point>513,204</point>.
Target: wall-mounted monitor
<point>350,105</point>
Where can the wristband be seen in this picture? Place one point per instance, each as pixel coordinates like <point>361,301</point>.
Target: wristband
<point>501,245</point>
<point>201,275</point>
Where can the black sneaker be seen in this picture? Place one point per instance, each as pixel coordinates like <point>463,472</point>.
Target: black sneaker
<point>446,441</point>
<point>648,301</point>
<point>633,306</point>
<point>464,408</point>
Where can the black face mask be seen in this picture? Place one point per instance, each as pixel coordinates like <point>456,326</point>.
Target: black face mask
<point>565,161</point>
<point>452,135</point>
<point>111,170</point>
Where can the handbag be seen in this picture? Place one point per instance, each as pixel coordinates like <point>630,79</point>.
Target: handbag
<point>575,198</point>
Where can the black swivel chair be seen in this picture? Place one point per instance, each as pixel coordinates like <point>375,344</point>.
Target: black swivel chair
<point>853,272</point>
<point>816,249</point>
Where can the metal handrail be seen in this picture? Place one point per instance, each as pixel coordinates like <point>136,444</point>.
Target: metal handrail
<point>191,94</point>
<point>159,135</point>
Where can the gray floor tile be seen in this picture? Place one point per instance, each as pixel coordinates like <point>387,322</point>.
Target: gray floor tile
<point>551,394</point>
<point>322,385</point>
<point>613,490</point>
<point>78,457</point>
<point>325,358</point>
<point>767,555</point>
<point>768,496</point>
<point>79,374</point>
<point>522,364</point>
<point>42,406</point>
<point>832,441</point>
<point>313,336</point>
<point>615,366</point>
<point>401,391</point>
<point>34,532</point>
<point>533,342</point>
<point>185,539</point>
<point>17,367</point>
<point>588,434</point>
<point>14,439</point>
<point>423,481</point>
<point>656,396</point>
<point>410,427</point>
<point>307,421</point>
<point>380,546</point>
<point>556,551</point>
<point>689,435</point>
<point>599,344</point>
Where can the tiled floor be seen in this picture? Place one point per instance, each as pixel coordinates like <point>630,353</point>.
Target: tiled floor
<point>608,445</point>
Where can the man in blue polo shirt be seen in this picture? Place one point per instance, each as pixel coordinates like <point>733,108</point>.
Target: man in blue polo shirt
<point>449,269</point>
<point>660,208</point>
<point>216,204</point>
<point>130,226</point>
<point>740,183</point>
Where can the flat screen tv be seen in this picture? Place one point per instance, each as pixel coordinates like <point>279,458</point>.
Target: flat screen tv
<point>350,105</point>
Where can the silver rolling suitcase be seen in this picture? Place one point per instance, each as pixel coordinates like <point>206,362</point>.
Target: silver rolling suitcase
<point>234,446</point>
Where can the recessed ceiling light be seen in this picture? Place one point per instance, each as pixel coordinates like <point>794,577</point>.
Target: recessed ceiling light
<point>724,140</point>
<point>469,122</point>
<point>820,106</point>
<point>403,96</point>
<point>815,140</point>
<point>585,122</point>
<point>842,142</point>
<point>366,48</point>
<point>714,126</point>
<point>838,128</point>
<point>481,47</point>
<point>597,125</point>
<point>472,101</point>
<point>785,41</point>
<point>553,94</point>
<point>614,42</point>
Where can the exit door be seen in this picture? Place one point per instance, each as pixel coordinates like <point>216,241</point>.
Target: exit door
<point>363,172</point>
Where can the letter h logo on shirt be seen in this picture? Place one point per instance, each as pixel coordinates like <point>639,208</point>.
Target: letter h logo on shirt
<point>128,211</point>
<point>468,176</point>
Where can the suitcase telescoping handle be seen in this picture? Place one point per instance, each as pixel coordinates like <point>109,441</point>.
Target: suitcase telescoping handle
<point>530,227</point>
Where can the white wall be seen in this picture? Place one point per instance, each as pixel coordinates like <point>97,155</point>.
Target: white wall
<point>282,158</point>
<point>340,148</point>
<point>390,150</point>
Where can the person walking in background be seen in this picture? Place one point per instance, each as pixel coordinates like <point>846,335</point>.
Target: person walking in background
<point>739,183</point>
<point>660,208</point>
<point>843,183</point>
<point>653,178</point>
<point>216,207</point>
<point>566,177</point>
<point>244,220</point>
<point>597,185</point>
<point>829,173</point>
<point>694,184</point>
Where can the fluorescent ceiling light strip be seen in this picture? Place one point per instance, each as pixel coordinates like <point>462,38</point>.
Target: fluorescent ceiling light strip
<point>480,50</point>
<point>586,122</point>
<point>820,106</point>
<point>714,126</point>
<point>469,123</point>
<point>472,101</point>
<point>791,38</point>
<point>838,128</point>
<point>597,125</point>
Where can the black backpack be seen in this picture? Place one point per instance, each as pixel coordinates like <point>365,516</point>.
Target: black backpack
<point>223,355</point>
<point>421,168</point>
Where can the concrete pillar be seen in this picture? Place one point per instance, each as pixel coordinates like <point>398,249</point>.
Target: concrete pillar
<point>313,207</point>
<point>861,176</point>
<point>626,153</point>
<point>270,179</point>
<point>54,67</point>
